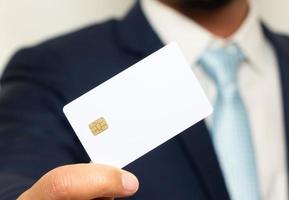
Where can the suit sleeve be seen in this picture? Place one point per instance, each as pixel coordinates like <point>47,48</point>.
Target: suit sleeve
<point>34,135</point>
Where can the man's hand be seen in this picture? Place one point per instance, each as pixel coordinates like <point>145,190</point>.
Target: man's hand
<point>83,182</point>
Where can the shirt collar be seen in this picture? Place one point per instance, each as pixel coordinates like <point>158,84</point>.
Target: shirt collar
<point>170,25</point>
<point>252,41</point>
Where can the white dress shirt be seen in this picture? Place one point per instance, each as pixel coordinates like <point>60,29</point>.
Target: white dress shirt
<point>258,80</point>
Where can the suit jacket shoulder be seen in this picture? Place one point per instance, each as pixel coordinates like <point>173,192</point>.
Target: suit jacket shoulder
<point>68,61</point>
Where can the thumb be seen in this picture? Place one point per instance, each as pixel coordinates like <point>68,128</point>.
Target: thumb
<point>83,181</point>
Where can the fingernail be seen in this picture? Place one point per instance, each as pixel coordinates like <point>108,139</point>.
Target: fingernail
<point>129,182</point>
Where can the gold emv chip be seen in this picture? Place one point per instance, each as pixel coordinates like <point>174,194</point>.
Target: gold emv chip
<point>98,126</point>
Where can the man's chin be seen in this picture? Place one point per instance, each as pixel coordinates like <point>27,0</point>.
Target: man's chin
<point>201,4</point>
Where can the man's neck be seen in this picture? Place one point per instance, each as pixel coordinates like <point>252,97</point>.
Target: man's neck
<point>222,22</point>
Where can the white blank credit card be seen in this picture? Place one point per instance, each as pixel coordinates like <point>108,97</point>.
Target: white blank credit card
<point>139,109</point>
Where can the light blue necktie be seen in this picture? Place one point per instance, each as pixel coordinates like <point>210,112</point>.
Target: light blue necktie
<point>230,127</point>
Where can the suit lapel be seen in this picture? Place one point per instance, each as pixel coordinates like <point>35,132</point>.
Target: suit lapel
<point>197,144</point>
<point>281,47</point>
<point>136,36</point>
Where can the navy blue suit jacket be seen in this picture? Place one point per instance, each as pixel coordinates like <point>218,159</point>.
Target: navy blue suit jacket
<point>35,136</point>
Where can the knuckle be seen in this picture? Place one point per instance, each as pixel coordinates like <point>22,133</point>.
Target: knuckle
<point>108,181</point>
<point>59,184</point>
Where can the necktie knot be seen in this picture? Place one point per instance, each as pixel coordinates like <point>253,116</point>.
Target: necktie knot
<point>222,65</point>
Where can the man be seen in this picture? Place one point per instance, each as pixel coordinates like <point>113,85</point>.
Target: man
<point>239,153</point>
